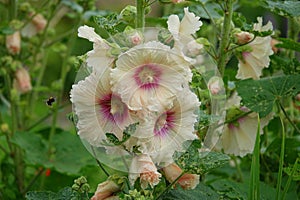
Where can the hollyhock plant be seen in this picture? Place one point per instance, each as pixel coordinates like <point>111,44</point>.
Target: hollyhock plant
<point>257,57</point>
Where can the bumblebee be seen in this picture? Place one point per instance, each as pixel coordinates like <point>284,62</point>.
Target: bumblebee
<point>50,101</point>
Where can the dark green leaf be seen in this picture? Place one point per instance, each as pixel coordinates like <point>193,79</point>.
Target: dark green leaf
<point>261,95</point>
<point>283,8</point>
<point>288,43</point>
<point>70,154</point>
<point>195,162</point>
<point>202,192</point>
<point>289,66</point>
<point>64,194</point>
<point>36,152</point>
<point>296,174</point>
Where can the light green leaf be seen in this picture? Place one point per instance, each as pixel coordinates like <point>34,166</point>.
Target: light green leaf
<point>283,8</point>
<point>261,95</point>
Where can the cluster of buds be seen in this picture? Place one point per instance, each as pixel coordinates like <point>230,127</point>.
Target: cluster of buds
<point>80,185</point>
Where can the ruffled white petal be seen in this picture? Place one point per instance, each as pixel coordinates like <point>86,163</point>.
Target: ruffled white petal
<point>171,72</point>
<point>89,33</point>
<point>93,122</point>
<point>253,62</point>
<point>179,128</point>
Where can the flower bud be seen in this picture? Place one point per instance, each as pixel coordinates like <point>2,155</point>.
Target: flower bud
<point>244,37</point>
<point>135,39</point>
<point>214,85</point>
<point>194,48</point>
<point>13,43</point>
<point>187,181</point>
<point>105,190</point>
<point>128,13</point>
<point>273,44</point>
<point>22,81</point>
<point>143,167</point>
<point>177,1</point>
<point>39,22</point>
<point>4,128</point>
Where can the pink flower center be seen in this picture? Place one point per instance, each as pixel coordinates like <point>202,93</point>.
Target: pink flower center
<point>147,76</point>
<point>164,123</point>
<point>112,108</point>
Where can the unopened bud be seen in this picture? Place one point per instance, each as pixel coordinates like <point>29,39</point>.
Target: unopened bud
<point>244,37</point>
<point>13,43</point>
<point>22,80</point>
<point>39,22</point>
<point>4,128</point>
<point>177,1</point>
<point>194,48</point>
<point>214,85</point>
<point>273,45</point>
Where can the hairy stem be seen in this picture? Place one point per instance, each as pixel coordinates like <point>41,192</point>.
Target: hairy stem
<point>140,15</point>
<point>225,37</point>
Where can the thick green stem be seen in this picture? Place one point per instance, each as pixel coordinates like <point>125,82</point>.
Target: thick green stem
<point>140,15</point>
<point>225,37</point>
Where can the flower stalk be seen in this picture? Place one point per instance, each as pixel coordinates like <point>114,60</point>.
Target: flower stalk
<point>140,15</point>
<point>225,36</point>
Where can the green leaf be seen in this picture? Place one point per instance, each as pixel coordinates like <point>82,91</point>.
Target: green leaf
<point>35,147</point>
<point>261,95</point>
<point>296,174</point>
<point>195,162</point>
<point>283,8</point>
<point>64,194</point>
<point>288,43</point>
<point>202,192</point>
<point>289,66</point>
<point>70,154</point>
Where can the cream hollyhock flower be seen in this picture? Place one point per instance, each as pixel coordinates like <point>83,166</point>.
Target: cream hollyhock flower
<point>149,76</point>
<point>99,110</point>
<point>182,30</point>
<point>164,133</point>
<point>99,58</point>
<point>37,24</point>
<point>143,167</point>
<point>252,62</point>
<point>186,181</point>
<point>105,190</point>
<point>239,137</point>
